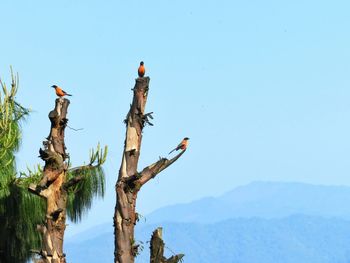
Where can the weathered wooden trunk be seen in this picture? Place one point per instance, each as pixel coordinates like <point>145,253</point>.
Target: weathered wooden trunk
<point>51,186</point>
<point>125,214</point>
<point>130,180</point>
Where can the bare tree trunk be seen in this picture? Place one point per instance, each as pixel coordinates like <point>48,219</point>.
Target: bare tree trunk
<point>157,249</point>
<point>51,186</point>
<point>56,182</point>
<point>130,180</point>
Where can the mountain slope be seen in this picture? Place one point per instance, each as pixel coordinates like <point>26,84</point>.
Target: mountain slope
<point>296,239</point>
<point>261,222</point>
<point>261,199</point>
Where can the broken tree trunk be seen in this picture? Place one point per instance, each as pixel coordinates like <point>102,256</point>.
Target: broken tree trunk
<point>157,249</point>
<point>51,186</point>
<point>58,184</point>
<point>130,180</point>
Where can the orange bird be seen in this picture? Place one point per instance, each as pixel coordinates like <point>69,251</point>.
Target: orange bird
<point>60,92</point>
<point>141,70</point>
<point>183,145</point>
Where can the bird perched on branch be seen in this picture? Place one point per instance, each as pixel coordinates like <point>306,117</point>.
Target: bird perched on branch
<point>60,92</point>
<point>141,70</point>
<point>183,145</point>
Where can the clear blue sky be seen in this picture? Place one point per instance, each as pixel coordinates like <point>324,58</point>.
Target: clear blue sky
<point>260,87</point>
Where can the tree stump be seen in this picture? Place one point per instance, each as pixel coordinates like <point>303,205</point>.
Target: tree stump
<point>157,249</point>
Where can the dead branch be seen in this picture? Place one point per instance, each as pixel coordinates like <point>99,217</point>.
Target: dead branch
<point>154,169</point>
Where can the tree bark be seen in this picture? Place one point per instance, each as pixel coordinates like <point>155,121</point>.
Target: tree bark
<point>58,182</point>
<point>157,249</point>
<point>51,186</point>
<point>130,180</point>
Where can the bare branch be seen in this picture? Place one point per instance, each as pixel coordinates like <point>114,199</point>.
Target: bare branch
<point>152,170</point>
<point>37,190</point>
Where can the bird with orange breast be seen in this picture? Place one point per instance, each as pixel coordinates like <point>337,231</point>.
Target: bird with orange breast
<point>182,146</point>
<point>141,70</point>
<point>60,92</point>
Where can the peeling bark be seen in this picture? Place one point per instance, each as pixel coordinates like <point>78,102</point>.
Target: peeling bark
<point>50,186</point>
<point>130,180</point>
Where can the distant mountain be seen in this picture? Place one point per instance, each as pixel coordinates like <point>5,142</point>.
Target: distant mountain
<point>261,199</point>
<point>296,239</point>
<point>262,222</point>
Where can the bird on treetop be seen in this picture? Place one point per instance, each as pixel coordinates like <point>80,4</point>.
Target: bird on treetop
<point>60,92</point>
<point>141,70</point>
<point>183,145</point>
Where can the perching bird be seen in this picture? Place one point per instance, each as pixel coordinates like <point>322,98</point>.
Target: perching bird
<point>60,92</point>
<point>183,145</point>
<point>141,70</point>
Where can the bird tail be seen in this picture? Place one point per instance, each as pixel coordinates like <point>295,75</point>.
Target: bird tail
<point>68,94</point>
<point>172,150</point>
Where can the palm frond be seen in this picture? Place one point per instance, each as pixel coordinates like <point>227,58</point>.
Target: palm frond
<point>85,183</point>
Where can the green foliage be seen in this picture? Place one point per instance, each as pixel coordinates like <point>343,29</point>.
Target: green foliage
<point>32,176</point>
<point>90,183</point>
<point>20,211</point>
<point>99,156</point>
<point>11,113</point>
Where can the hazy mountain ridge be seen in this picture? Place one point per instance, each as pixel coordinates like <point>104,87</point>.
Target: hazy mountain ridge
<point>261,222</point>
<point>261,199</point>
<point>296,239</point>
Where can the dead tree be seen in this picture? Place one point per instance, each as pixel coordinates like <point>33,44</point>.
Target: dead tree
<point>50,186</point>
<point>157,249</point>
<point>55,184</point>
<point>130,180</point>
